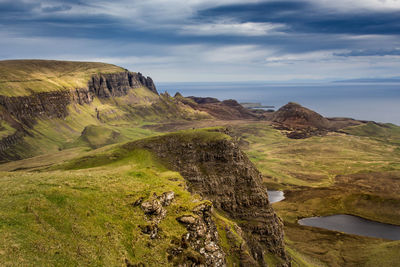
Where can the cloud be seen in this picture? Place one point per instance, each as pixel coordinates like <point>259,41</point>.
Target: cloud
<point>233,28</point>
<point>56,8</point>
<point>8,7</point>
<point>314,16</point>
<point>208,39</point>
<point>370,52</point>
<point>358,5</point>
<point>316,56</point>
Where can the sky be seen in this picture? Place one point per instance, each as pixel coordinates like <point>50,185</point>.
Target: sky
<point>208,41</point>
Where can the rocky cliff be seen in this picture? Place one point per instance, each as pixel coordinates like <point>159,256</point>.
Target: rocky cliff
<point>118,84</point>
<point>22,112</point>
<point>219,171</point>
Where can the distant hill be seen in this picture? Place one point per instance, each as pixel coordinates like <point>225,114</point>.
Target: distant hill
<point>301,122</point>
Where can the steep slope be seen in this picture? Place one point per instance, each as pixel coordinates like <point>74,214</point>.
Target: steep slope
<point>218,170</point>
<point>132,213</point>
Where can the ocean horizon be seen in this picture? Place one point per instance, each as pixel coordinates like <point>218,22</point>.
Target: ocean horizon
<point>379,102</point>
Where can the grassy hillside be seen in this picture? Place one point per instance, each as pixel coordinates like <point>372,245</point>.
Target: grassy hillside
<point>86,217</point>
<point>82,212</point>
<point>21,77</point>
<point>387,132</point>
<point>121,118</point>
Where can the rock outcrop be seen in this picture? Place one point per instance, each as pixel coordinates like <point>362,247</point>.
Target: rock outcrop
<point>118,84</point>
<point>155,211</point>
<point>220,172</point>
<point>201,237</point>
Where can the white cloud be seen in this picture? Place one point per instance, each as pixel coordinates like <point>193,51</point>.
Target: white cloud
<point>316,56</point>
<point>236,54</point>
<point>233,28</point>
<point>359,5</point>
<point>153,13</point>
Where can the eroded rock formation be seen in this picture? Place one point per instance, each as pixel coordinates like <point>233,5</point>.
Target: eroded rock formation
<point>219,171</point>
<point>118,84</point>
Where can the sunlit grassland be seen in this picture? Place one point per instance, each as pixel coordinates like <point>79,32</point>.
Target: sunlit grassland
<point>85,216</point>
<point>22,77</point>
<point>79,211</point>
<point>317,160</point>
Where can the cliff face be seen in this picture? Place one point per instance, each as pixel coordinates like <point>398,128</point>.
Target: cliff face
<point>219,171</point>
<point>26,108</point>
<point>118,84</point>
<point>22,112</point>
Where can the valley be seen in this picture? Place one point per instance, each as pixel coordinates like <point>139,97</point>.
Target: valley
<point>90,154</point>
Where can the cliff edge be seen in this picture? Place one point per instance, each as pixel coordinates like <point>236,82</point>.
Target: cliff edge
<point>219,171</point>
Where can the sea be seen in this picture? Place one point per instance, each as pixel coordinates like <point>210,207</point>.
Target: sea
<point>378,102</point>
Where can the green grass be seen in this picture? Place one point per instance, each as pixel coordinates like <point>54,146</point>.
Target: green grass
<point>85,216</point>
<point>98,136</point>
<point>22,77</point>
<point>387,132</point>
<point>121,153</point>
<point>79,211</point>
<point>314,161</point>
<point>5,129</point>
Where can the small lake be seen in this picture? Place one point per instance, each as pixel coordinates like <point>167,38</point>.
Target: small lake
<point>354,225</point>
<point>275,196</point>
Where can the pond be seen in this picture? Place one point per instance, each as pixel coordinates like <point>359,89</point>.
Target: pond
<point>354,225</point>
<point>275,196</point>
